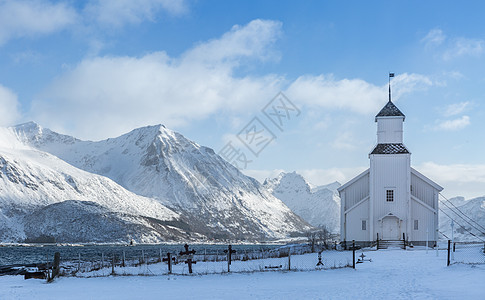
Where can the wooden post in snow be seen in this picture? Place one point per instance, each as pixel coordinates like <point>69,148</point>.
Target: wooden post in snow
<point>353,254</point>
<point>449,252</point>
<point>113,264</point>
<point>289,259</point>
<point>55,267</point>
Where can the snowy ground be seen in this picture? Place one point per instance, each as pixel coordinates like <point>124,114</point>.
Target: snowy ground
<point>392,274</point>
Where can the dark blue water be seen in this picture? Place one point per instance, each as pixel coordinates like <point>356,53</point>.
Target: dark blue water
<point>10,255</point>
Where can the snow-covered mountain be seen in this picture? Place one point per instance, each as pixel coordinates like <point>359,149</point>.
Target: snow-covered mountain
<point>154,162</point>
<point>319,205</point>
<point>466,213</point>
<point>34,182</point>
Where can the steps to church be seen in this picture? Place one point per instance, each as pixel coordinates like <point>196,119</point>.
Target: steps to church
<point>386,244</point>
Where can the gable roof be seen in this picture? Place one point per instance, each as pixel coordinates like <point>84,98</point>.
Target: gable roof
<point>395,148</point>
<point>343,187</point>
<point>426,179</point>
<point>390,110</point>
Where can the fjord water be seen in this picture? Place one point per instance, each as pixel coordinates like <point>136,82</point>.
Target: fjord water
<point>32,254</point>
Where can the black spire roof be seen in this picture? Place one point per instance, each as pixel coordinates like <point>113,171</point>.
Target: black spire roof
<point>392,148</point>
<point>390,110</point>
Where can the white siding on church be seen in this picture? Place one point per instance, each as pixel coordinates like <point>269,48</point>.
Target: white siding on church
<point>357,191</point>
<point>426,220</point>
<point>389,130</point>
<point>390,172</point>
<point>353,225</point>
<point>422,190</point>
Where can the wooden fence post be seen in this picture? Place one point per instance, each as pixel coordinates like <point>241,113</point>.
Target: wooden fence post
<point>55,267</point>
<point>449,250</point>
<point>289,259</point>
<point>113,264</point>
<point>169,256</point>
<point>353,254</point>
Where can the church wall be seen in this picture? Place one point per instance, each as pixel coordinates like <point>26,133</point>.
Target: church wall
<point>422,190</point>
<point>426,220</point>
<point>390,172</point>
<point>390,130</point>
<point>353,223</point>
<point>357,191</point>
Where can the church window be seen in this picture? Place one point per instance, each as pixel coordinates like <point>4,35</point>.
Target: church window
<point>364,224</point>
<point>416,225</point>
<point>389,195</point>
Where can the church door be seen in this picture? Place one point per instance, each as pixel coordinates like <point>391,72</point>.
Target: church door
<point>390,228</point>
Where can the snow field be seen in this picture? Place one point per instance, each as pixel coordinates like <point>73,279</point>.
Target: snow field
<point>392,274</point>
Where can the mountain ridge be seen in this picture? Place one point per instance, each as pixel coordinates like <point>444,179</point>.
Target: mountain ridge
<point>159,163</point>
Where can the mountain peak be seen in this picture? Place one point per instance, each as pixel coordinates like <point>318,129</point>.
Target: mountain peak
<point>30,126</point>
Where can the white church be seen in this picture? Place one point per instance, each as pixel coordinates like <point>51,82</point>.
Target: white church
<point>390,201</point>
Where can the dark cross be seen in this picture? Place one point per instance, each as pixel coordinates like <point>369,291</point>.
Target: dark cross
<point>229,252</point>
<point>320,263</point>
<point>169,259</point>
<point>187,251</point>
<point>362,258</point>
<point>189,260</point>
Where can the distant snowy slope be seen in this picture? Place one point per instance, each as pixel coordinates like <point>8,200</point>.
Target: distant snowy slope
<point>30,180</point>
<point>469,216</point>
<point>194,181</point>
<point>319,206</point>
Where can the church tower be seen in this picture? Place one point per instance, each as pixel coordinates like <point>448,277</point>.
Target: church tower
<point>390,167</point>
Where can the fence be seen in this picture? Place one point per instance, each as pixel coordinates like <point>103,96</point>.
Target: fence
<point>188,261</point>
<point>466,252</point>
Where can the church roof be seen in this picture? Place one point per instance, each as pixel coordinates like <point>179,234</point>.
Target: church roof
<point>390,110</point>
<point>390,149</point>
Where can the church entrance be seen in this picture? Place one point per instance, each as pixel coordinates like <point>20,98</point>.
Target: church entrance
<point>390,228</point>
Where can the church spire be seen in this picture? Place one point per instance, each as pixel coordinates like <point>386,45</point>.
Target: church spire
<point>390,75</point>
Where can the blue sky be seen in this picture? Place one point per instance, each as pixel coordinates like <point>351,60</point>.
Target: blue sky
<point>97,69</point>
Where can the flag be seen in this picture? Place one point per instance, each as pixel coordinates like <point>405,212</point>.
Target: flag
<point>391,75</point>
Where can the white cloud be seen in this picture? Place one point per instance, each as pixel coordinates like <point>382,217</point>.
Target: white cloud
<point>9,113</point>
<point>344,141</point>
<point>453,125</point>
<point>465,180</point>
<point>119,12</point>
<point>464,47</point>
<point>106,96</point>
<point>455,108</point>
<point>30,18</point>
<point>251,40</point>
<point>351,94</point>
<point>435,37</point>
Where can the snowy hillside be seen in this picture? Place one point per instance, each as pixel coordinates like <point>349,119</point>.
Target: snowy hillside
<point>465,213</point>
<point>31,181</point>
<point>319,206</point>
<point>192,180</point>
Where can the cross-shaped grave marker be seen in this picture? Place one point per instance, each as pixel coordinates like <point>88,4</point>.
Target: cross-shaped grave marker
<point>229,252</point>
<point>169,259</point>
<point>319,263</point>
<point>189,254</point>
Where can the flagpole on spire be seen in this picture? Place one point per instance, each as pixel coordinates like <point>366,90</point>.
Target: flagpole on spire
<point>390,75</point>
